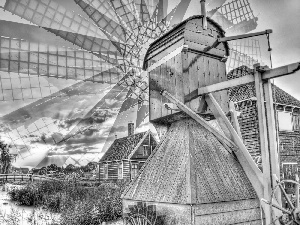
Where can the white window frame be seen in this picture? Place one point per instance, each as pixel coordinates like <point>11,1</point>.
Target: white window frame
<point>145,150</point>
<point>289,163</point>
<point>134,170</point>
<point>120,171</point>
<point>282,124</point>
<point>105,171</point>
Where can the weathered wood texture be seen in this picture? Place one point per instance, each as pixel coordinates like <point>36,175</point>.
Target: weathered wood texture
<point>190,166</point>
<point>229,213</point>
<point>237,212</point>
<point>125,151</point>
<point>196,66</point>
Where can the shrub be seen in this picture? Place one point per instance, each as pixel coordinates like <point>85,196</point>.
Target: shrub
<point>27,195</point>
<point>77,204</point>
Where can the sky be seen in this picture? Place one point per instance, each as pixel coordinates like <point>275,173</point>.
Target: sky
<point>40,125</point>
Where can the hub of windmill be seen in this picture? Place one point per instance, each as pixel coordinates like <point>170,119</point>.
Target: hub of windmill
<point>191,178</point>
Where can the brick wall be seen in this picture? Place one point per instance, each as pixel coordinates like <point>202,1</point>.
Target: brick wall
<point>248,121</point>
<point>289,142</point>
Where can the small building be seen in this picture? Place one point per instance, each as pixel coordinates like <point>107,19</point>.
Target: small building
<point>287,113</point>
<point>126,156</point>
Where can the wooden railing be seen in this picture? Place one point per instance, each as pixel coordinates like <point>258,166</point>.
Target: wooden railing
<point>25,177</point>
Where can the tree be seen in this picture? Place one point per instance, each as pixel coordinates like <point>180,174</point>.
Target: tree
<point>43,171</point>
<point>53,167</point>
<point>5,158</point>
<point>70,168</point>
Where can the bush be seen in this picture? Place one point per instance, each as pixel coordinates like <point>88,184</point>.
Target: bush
<point>24,196</point>
<point>77,204</point>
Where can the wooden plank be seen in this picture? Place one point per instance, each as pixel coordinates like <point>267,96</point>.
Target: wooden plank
<point>193,78</point>
<point>165,59</point>
<point>282,71</point>
<point>245,159</point>
<point>185,73</point>
<point>272,136</point>
<point>179,78</point>
<point>165,84</point>
<point>155,97</point>
<point>224,94</point>
<point>242,36</point>
<point>202,48</point>
<point>223,139</point>
<point>219,86</point>
<point>263,144</point>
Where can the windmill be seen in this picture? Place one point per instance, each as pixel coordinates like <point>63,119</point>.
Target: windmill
<point>73,71</point>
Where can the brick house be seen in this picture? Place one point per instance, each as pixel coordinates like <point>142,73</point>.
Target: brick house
<point>126,156</point>
<point>287,119</point>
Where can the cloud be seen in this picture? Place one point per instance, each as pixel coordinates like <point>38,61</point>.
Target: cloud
<point>74,151</point>
<point>118,129</point>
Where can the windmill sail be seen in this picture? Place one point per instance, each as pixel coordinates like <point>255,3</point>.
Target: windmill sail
<point>236,17</point>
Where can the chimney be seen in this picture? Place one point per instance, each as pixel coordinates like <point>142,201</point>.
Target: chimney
<point>130,128</point>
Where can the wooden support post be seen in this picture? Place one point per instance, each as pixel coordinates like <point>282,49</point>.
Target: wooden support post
<point>272,134</point>
<point>297,191</point>
<point>264,148</point>
<point>245,159</point>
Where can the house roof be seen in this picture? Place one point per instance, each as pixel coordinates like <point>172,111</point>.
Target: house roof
<point>190,166</point>
<point>248,91</point>
<point>121,148</point>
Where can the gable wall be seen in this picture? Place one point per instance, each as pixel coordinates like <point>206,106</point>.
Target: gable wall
<point>139,153</point>
<point>289,142</point>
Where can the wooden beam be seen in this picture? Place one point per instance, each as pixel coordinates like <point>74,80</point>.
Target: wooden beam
<point>195,116</point>
<point>263,144</point>
<point>232,38</point>
<point>266,75</point>
<point>254,174</point>
<point>281,71</point>
<point>219,87</point>
<point>272,134</point>
<point>165,59</point>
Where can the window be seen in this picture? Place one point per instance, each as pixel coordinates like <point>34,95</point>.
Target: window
<point>120,171</point>
<point>285,121</point>
<point>145,150</point>
<point>105,171</point>
<point>296,122</point>
<point>289,169</point>
<point>134,170</point>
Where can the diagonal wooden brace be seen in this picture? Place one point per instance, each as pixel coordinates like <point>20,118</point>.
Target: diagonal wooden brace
<point>223,139</point>
<point>254,174</point>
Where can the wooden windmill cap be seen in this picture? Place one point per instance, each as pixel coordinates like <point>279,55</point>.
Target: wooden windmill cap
<point>190,166</point>
<point>189,33</point>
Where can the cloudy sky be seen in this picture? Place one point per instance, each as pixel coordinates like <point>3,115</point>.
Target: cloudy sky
<point>81,119</point>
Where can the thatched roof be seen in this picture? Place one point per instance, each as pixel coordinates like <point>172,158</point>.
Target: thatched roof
<point>121,148</point>
<point>190,166</point>
<point>248,91</point>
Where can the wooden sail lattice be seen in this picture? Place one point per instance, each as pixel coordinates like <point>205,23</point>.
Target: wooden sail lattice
<point>245,52</point>
<point>235,16</point>
<point>109,43</point>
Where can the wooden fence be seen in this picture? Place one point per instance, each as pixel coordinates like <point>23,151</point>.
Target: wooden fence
<point>25,177</point>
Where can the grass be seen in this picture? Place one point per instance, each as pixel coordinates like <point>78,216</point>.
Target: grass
<point>75,203</point>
